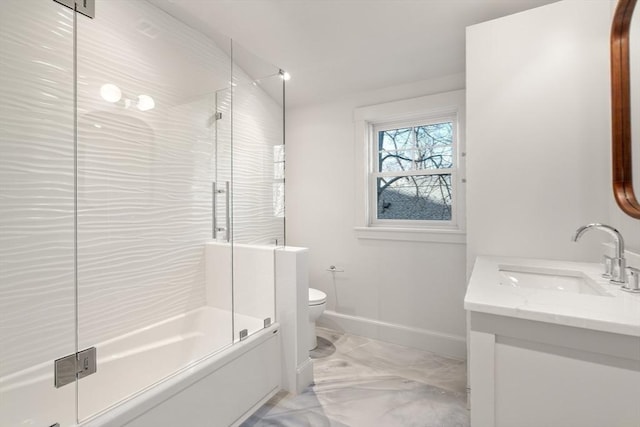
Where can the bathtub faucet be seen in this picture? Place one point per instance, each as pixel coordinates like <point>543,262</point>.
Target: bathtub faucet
<point>614,268</point>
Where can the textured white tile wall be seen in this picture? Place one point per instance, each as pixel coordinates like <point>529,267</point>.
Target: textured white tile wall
<point>144,177</point>
<point>36,184</point>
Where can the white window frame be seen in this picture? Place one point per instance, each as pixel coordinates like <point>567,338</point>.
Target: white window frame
<point>414,111</point>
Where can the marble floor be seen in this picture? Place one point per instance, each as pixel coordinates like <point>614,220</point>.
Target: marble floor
<point>361,382</point>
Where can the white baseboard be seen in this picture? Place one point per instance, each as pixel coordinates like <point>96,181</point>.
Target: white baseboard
<point>435,342</point>
<point>304,375</point>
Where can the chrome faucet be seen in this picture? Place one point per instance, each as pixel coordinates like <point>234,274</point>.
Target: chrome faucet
<point>615,268</point>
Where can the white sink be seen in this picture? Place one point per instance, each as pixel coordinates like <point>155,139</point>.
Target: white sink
<point>570,281</point>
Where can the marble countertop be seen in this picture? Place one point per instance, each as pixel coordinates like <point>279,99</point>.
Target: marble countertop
<point>617,312</point>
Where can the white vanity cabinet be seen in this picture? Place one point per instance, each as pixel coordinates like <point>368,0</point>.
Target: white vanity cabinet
<point>546,357</point>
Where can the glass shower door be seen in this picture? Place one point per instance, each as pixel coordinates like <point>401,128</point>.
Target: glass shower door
<point>146,164</point>
<point>222,232</point>
<point>113,131</point>
<point>37,284</point>
<point>258,189</point>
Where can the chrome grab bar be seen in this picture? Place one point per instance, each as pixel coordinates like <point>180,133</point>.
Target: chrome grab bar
<point>227,211</point>
<point>214,220</point>
<point>214,216</point>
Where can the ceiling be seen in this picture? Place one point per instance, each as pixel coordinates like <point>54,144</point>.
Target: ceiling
<point>334,48</point>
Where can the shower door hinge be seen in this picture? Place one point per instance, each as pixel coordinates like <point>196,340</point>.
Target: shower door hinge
<point>244,334</point>
<point>218,116</point>
<point>85,7</point>
<point>75,366</point>
<point>267,322</point>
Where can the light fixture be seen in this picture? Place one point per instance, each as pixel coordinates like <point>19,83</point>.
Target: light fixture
<point>284,75</point>
<point>145,103</point>
<point>110,92</point>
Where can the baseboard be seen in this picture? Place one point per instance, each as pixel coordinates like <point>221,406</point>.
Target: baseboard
<point>304,375</point>
<point>435,342</point>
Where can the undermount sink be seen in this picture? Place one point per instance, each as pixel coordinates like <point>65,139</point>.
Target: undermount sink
<point>570,281</point>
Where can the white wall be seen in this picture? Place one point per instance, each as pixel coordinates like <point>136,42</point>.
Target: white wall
<point>629,227</point>
<point>538,131</point>
<point>538,166</point>
<point>405,292</point>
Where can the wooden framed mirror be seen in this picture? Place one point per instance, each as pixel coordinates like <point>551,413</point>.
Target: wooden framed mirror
<point>621,104</point>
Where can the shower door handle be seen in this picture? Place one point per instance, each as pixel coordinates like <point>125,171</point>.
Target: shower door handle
<point>214,205</point>
<point>215,191</point>
<point>227,199</point>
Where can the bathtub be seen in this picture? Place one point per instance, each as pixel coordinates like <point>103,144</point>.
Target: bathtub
<point>183,371</point>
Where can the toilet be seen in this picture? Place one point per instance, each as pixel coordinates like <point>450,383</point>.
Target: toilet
<point>317,304</point>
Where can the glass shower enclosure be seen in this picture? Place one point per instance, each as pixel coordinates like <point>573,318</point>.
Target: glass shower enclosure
<point>141,202</point>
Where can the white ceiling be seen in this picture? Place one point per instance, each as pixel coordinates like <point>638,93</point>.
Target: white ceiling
<point>333,48</point>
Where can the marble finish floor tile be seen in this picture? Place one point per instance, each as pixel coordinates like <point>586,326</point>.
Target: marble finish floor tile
<point>364,382</point>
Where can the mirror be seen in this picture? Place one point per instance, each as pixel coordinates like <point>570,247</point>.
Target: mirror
<point>634,99</point>
<point>622,102</point>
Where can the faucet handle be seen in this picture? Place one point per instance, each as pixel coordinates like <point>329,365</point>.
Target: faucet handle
<point>633,280</point>
<point>608,267</point>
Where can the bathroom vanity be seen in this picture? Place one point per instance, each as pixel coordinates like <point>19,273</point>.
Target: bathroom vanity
<point>551,343</point>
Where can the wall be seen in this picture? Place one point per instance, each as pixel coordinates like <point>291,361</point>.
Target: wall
<point>292,312</point>
<point>538,131</point>
<point>630,229</point>
<point>404,292</point>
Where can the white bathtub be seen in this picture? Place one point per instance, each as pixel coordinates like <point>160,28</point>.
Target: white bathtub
<point>183,371</point>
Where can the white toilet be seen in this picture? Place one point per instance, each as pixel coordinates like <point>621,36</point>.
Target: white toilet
<point>317,304</point>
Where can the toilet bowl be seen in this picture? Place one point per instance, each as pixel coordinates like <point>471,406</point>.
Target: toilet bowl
<point>317,304</point>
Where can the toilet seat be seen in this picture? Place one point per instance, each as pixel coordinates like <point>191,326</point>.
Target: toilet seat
<point>316,297</point>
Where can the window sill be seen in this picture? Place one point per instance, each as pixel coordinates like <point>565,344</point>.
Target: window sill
<point>455,237</point>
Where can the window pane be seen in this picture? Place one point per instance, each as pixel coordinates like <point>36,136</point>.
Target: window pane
<point>392,161</point>
<point>395,139</point>
<point>435,144</point>
<point>434,134</point>
<point>278,153</point>
<point>416,148</point>
<point>424,197</point>
<point>436,157</point>
<point>278,200</point>
<point>278,170</point>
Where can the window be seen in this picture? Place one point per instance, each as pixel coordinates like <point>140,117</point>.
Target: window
<point>410,168</point>
<point>413,172</point>
<point>278,181</point>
